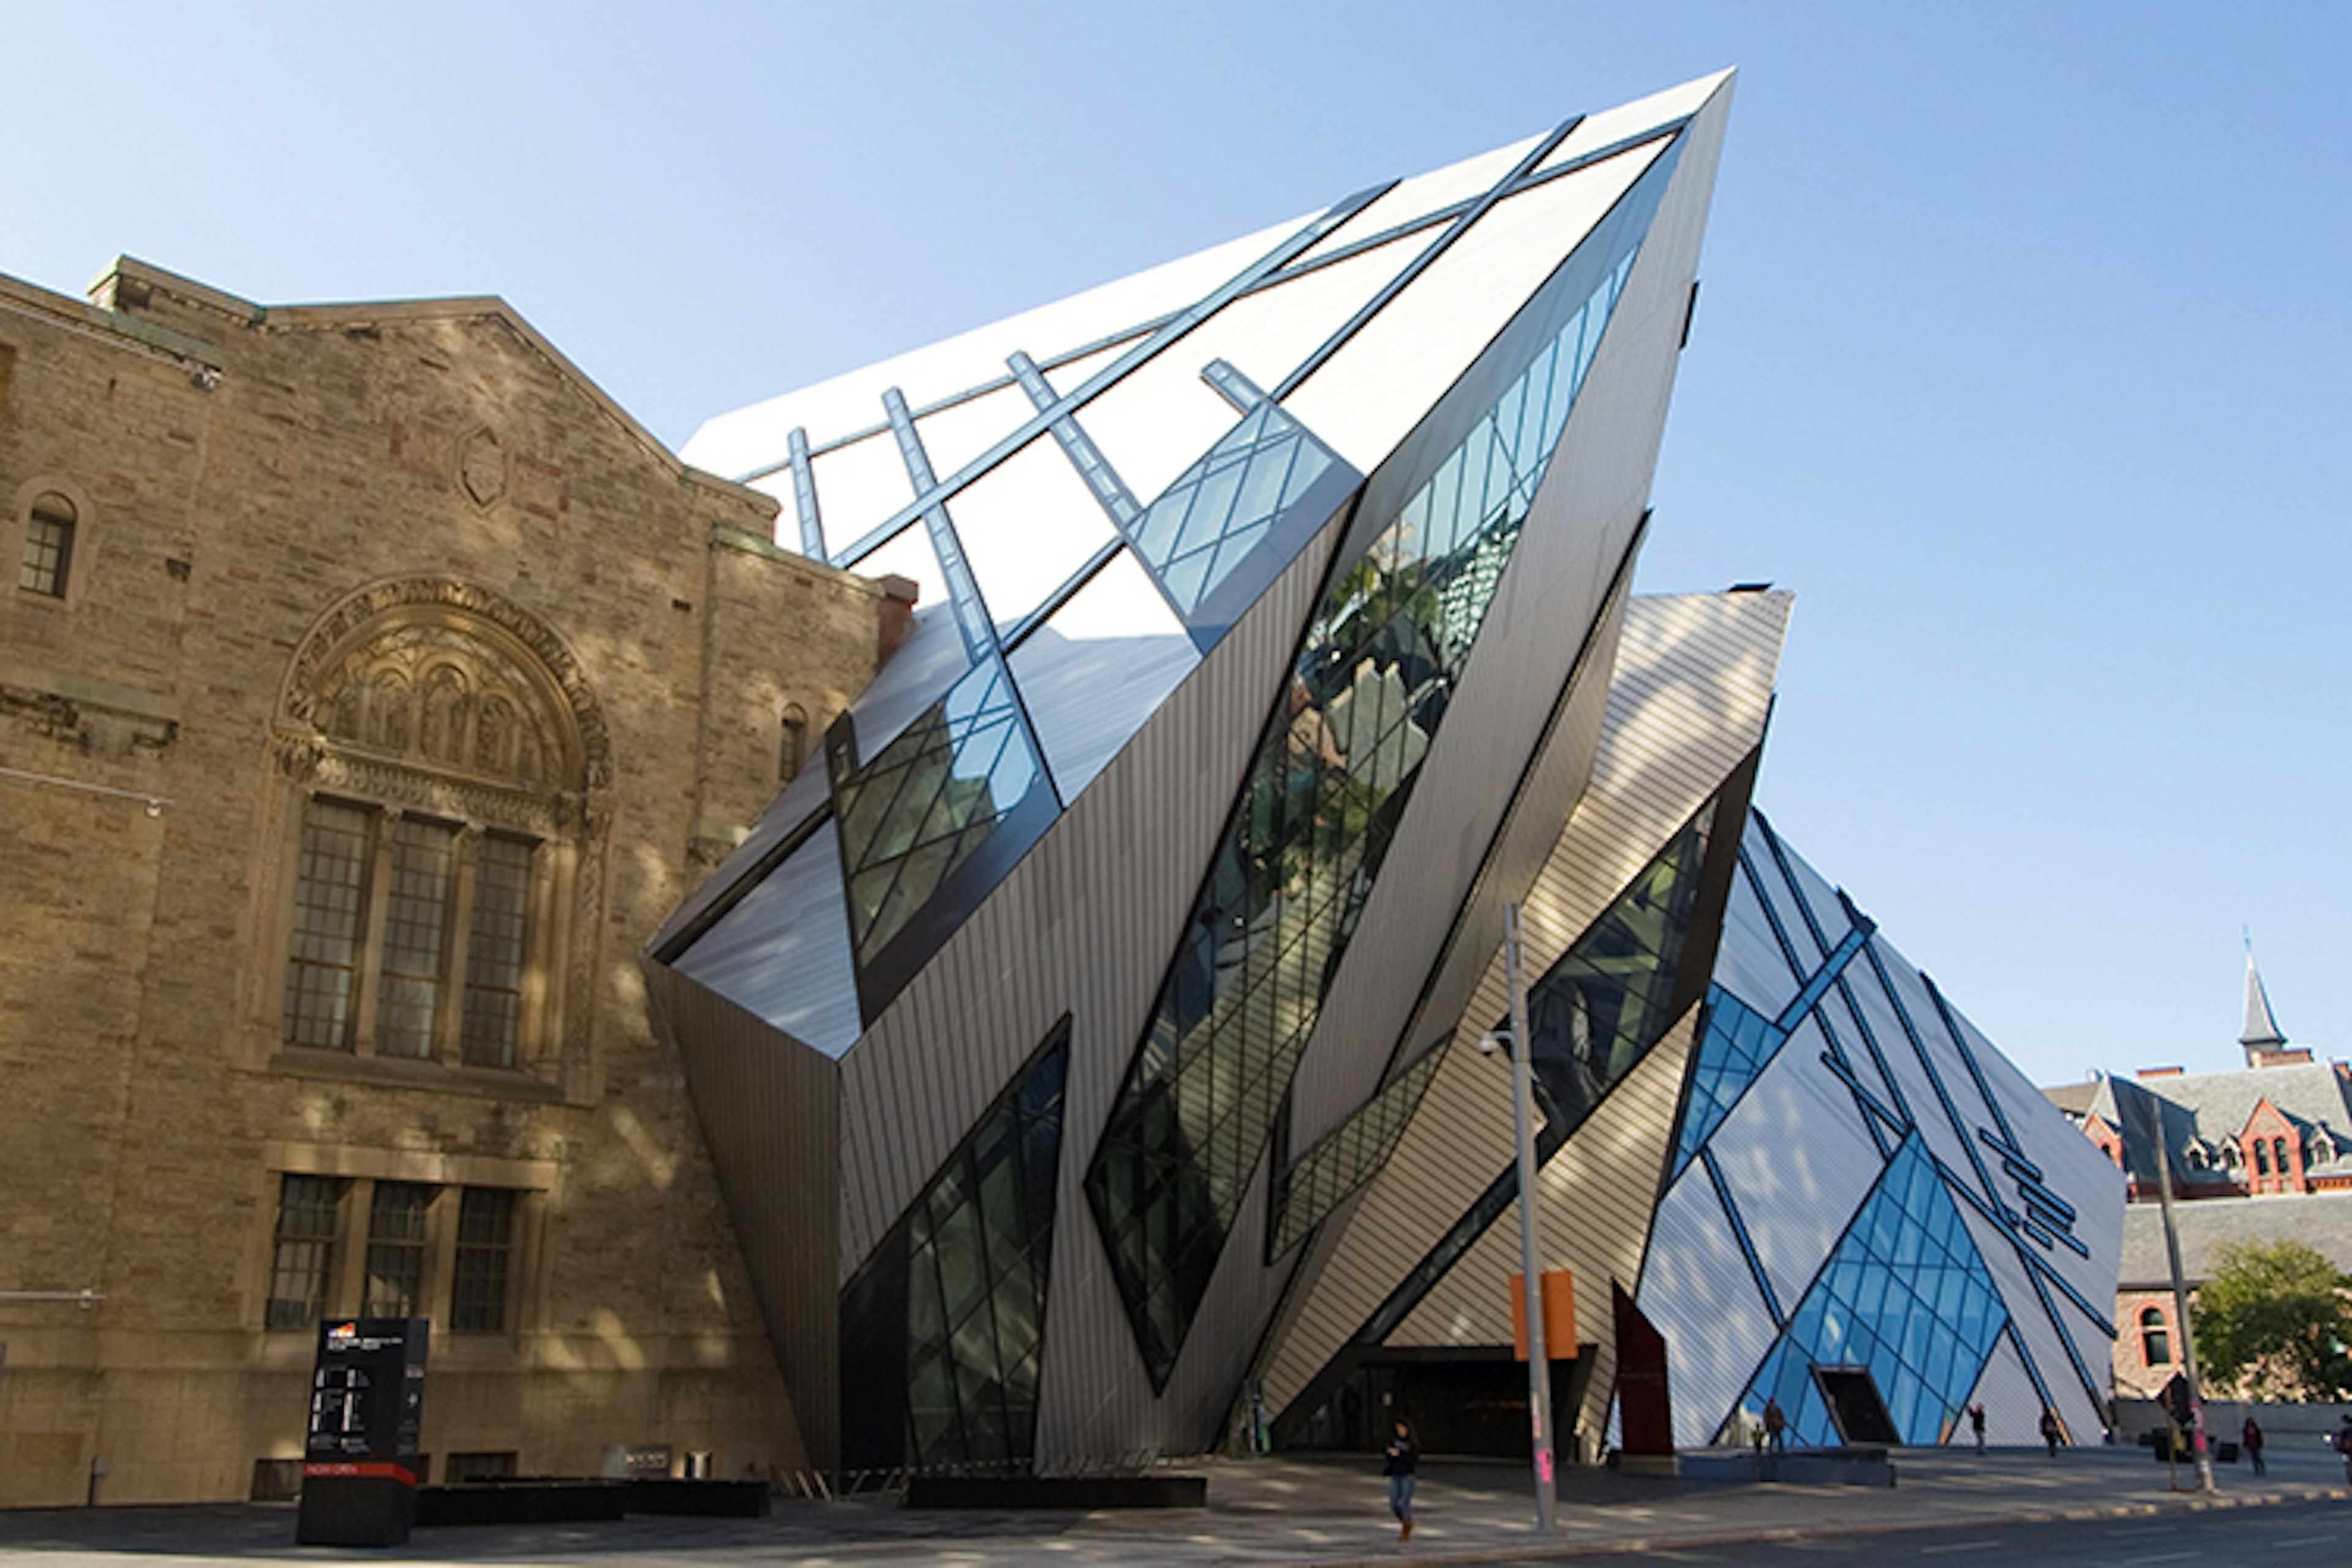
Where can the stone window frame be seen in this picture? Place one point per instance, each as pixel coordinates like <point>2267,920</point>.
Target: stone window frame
<point>85,547</point>
<point>565,817</point>
<point>360,1171</point>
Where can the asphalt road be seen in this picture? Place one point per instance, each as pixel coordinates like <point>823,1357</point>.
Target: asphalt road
<point>2307,1532</point>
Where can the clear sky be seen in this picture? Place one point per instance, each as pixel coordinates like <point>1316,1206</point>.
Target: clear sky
<point>2022,353</point>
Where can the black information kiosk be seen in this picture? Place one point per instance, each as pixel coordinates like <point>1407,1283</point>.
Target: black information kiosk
<point>359,1468</point>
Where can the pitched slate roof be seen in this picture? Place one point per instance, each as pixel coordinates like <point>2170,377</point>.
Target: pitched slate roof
<point>2212,1108</point>
<point>2321,1221</point>
<point>2261,1031</point>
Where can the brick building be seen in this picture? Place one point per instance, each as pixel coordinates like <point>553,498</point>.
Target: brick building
<point>2261,1154</point>
<point>371,688</point>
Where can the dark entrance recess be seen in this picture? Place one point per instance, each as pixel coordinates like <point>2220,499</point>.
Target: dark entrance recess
<point>1852,1397</point>
<point>1469,1401</point>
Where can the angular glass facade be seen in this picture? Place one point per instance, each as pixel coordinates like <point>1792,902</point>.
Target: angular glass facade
<point>943,1329</point>
<point>1906,1298</point>
<point>929,800</point>
<point>1332,775</point>
<point>1312,1185</point>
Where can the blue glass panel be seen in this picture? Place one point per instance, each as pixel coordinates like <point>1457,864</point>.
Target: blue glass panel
<point>1904,1295</point>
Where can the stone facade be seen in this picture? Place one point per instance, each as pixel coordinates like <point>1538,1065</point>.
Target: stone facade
<point>399,569</point>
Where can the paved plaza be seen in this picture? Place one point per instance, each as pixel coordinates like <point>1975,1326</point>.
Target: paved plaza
<point>1324,1512</point>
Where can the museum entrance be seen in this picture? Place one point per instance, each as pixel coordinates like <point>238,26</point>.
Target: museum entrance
<point>1854,1405</point>
<point>1471,1402</point>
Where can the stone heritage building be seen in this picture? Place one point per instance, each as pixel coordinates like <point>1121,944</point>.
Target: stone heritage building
<point>2259,1153</point>
<point>371,688</point>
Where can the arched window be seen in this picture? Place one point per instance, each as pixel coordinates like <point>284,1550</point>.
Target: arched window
<point>2278,1157</point>
<point>2155,1338</point>
<point>792,746</point>
<point>2262,1158</point>
<point>2198,1160</point>
<point>446,753</point>
<point>47,563</point>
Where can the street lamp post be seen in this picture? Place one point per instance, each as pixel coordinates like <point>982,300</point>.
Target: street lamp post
<point>1530,1270</point>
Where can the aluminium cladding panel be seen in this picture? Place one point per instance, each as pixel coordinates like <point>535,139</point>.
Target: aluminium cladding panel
<point>1584,517</point>
<point>1083,924</point>
<point>1599,1194</point>
<point>2012,1407</point>
<point>770,1110</point>
<point>1332,1085</point>
<point>1697,1289</point>
<point>1798,1161</point>
<point>1460,1135</point>
<point>1611,441</point>
<point>1687,702</point>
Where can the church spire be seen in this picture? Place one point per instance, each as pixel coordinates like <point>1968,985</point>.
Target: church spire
<point>2261,1031</point>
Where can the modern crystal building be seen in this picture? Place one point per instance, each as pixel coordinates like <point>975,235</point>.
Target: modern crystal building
<point>1080,1046</point>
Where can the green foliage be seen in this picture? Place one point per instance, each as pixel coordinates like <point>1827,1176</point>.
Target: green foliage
<point>2275,1320</point>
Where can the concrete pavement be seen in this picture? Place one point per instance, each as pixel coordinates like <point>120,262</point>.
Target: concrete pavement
<point>1326,1512</point>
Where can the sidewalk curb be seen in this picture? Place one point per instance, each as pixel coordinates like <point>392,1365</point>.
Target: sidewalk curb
<point>1534,1549</point>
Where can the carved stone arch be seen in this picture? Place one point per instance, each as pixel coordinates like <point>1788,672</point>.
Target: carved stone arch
<point>442,704</point>
<point>553,682</point>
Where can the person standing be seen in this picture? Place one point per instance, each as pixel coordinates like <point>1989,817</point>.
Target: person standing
<point>1402,1461</point>
<point>2050,1432</point>
<point>1776,1427</point>
<point>2251,1438</point>
<point>2343,1441</point>
<point>1976,1423</point>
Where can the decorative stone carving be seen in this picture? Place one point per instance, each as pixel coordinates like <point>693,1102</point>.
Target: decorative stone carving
<point>313,697</point>
<point>482,467</point>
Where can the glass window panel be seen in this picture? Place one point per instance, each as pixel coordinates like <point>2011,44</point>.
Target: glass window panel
<point>395,1249</point>
<point>495,945</point>
<point>48,560</point>
<point>478,1293</point>
<point>424,859</point>
<point>330,900</point>
<point>302,1250</point>
<point>1370,685</point>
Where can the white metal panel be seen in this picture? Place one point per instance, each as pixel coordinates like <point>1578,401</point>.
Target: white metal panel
<point>1904,1063</point>
<point>783,952</point>
<point>1595,131</point>
<point>1749,961</point>
<point>1371,393</point>
<point>1424,194</point>
<point>1820,898</point>
<point>1269,334</point>
<point>1027,526</point>
<point>1067,378</point>
<point>2012,1408</point>
<point>1157,422</point>
<point>955,435</point>
<point>1092,674</point>
<point>1797,1162</point>
<point>1697,1293</point>
<point>2038,1333</point>
<point>755,436</point>
<point>860,486</point>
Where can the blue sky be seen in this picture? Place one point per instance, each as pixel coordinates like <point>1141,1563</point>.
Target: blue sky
<point>2021,352</point>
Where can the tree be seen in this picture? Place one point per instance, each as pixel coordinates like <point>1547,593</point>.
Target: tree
<point>2276,1319</point>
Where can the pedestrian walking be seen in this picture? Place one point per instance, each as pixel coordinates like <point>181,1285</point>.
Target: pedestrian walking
<point>2342,1442</point>
<point>1776,1427</point>
<point>2252,1439</point>
<point>1404,1459</point>
<point>2050,1432</point>
<point>1976,1423</point>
